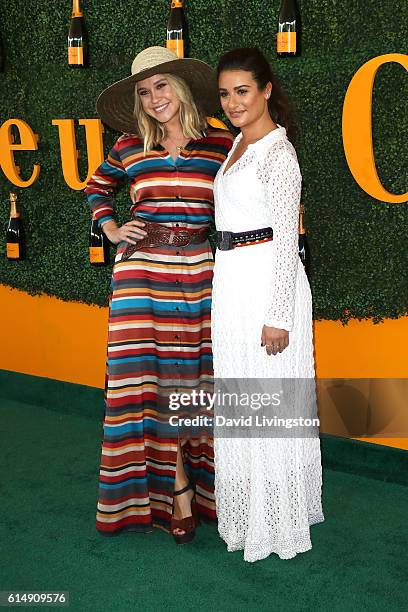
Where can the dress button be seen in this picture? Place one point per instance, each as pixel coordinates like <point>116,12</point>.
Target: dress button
<point>177,252</point>
<point>176,337</point>
<point>177,308</point>
<point>177,282</point>
<point>177,365</point>
<point>177,224</point>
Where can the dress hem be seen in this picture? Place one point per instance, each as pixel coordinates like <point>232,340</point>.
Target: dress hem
<point>256,552</point>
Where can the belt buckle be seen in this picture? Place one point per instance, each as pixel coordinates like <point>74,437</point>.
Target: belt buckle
<point>225,242</point>
<point>181,238</point>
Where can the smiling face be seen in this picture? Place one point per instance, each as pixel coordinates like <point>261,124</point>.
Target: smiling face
<point>241,99</point>
<point>158,99</point>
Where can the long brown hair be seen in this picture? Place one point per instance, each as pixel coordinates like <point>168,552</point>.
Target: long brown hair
<point>252,60</point>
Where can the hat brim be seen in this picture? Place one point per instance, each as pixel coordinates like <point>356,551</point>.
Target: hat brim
<point>115,104</point>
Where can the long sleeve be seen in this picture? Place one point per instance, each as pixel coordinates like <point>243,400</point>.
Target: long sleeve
<point>103,184</point>
<point>282,179</point>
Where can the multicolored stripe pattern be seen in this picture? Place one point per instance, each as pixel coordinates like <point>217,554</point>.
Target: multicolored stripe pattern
<point>159,332</point>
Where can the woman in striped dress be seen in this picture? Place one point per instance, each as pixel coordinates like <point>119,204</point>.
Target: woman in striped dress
<point>159,316</point>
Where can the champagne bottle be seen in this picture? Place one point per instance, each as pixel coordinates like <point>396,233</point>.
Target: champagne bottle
<point>15,243</point>
<point>98,245</point>
<point>177,29</point>
<point>303,246</point>
<point>287,38</point>
<point>77,38</point>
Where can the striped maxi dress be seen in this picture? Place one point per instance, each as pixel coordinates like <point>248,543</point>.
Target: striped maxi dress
<point>159,331</point>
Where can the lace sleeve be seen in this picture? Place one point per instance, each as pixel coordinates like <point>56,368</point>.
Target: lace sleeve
<point>281,177</point>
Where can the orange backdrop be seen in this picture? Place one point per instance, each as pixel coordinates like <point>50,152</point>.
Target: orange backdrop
<point>45,336</point>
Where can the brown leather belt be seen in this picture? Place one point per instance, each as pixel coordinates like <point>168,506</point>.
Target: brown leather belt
<point>158,235</point>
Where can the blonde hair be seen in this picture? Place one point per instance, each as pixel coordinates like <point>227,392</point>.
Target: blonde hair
<point>193,121</point>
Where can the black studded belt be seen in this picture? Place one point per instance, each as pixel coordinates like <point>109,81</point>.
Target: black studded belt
<point>231,240</point>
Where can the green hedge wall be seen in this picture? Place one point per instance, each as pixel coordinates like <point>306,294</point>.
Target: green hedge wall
<point>358,244</point>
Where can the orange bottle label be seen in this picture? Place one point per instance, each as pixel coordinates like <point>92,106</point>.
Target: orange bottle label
<point>96,255</point>
<point>177,46</point>
<point>286,42</point>
<point>177,4</point>
<point>13,250</point>
<point>75,56</point>
<point>217,123</point>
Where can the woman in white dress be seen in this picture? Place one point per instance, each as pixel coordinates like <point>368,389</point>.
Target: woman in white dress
<point>268,490</point>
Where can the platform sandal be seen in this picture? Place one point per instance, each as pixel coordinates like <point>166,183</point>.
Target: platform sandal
<point>187,524</point>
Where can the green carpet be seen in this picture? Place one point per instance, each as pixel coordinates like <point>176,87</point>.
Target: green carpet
<point>48,541</point>
<point>355,457</point>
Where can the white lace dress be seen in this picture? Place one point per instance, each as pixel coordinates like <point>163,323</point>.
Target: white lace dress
<point>268,490</point>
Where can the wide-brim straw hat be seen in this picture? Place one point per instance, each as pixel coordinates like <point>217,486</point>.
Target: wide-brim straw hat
<point>116,103</point>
